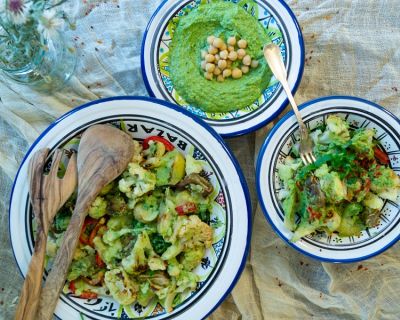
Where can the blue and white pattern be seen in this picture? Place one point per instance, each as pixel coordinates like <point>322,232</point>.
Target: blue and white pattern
<point>142,117</point>
<point>359,114</point>
<point>283,29</point>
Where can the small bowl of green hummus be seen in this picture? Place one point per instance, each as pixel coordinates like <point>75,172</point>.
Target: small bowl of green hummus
<point>345,206</point>
<point>207,57</point>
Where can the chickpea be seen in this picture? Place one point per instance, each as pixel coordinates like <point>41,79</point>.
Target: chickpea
<point>233,56</point>
<point>223,47</point>
<point>222,64</point>
<point>220,78</point>
<point>210,67</point>
<point>212,50</point>
<point>218,43</point>
<point>247,60</point>
<point>241,54</point>
<point>231,48</point>
<point>210,39</point>
<point>242,44</point>
<point>227,73</point>
<point>228,63</point>
<point>203,64</point>
<point>217,71</point>
<point>223,54</point>
<point>210,58</point>
<point>236,73</point>
<point>245,69</point>
<point>203,54</point>
<point>254,64</point>
<point>217,58</point>
<point>231,41</point>
<point>208,76</point>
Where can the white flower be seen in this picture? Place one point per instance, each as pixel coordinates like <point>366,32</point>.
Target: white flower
<point>17,10</point>
<point>50,23</point>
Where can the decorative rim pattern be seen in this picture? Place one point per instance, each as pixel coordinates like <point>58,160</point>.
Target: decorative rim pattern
<point>280,22</point>
<point>359,113</point>
<point>116,109</point>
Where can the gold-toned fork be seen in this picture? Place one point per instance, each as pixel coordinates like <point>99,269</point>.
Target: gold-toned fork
<point>272,54</point>
<point>48,194</point>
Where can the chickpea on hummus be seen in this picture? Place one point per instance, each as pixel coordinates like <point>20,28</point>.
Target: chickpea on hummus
<point>216,57</point>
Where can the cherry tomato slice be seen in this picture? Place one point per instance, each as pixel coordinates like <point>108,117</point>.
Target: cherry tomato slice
<point>85,235</point>
<point>382,157</point>
<point>100,263</point>
<point>168,145</point>
<point>88,295</point>
<point>84,294</point>
<point>188,207</point>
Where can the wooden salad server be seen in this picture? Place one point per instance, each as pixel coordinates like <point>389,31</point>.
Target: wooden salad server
<point>48,194</point>
<point>104,153</point>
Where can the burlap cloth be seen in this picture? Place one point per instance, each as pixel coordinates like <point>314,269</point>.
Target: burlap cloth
<point>352,48</point>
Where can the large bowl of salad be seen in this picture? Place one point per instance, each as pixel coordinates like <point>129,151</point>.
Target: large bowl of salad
<point>344,207</point>
<point>166,239</point>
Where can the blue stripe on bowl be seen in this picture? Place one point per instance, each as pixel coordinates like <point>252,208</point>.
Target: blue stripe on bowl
<point>191,116</point>
<point>235,132</point>
<point>258,174</point>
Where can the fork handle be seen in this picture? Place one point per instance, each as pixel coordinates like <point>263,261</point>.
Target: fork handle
<point>29,298</point>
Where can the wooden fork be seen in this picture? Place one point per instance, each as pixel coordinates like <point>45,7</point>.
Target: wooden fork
<point>48,194</point>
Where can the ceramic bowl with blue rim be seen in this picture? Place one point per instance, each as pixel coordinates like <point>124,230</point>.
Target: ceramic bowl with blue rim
<point>282,28</point>
<point>358,113</point>
<point>230,217</point>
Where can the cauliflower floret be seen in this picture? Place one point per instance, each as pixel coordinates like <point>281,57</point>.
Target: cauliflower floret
<point>186,281</point>
<point>137,260</point>
<point>135,182</point>
<point>373,201</point>
<point>109,254</point>
<point>337,131</point>
<point>314,135</point>
<point>137,152</point>
<point>385,182</point>
<point>153,154</point>
<point>321,171</point>
<point>156,263</point>
<point>120,222</point>
<point>362,142</point>
<point>148,209</point>
<point>174,267</point>
<point>122,288</point>
<point>98,208</point>
<point>334,188</point>
<point>172,251</point>
<point>286,170</point>
<point>192,232</point>
<point>192,258</point>
<point>111,235</point>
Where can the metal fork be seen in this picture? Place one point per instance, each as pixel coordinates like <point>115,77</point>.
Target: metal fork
<point>272,54</point>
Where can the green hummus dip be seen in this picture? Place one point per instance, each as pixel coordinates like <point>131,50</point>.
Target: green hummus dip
<point>221,19</point>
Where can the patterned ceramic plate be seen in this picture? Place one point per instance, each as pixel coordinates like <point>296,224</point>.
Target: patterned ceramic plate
<point>359,114</point>
<point>283,29</point>
<point>230,217</point>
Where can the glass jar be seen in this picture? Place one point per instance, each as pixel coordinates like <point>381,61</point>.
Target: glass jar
<point>50,67</point>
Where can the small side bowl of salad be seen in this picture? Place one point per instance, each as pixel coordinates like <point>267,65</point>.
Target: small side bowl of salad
<point>345,207</point>
<point>168,238</point>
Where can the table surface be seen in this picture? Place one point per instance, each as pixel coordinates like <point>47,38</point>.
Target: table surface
<point>352,48</point>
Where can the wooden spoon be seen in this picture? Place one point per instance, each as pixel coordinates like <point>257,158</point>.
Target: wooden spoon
<point>48,194</point>
<point>104,153</point>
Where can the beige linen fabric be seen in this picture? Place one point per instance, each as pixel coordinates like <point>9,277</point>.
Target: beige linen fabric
<point>352,48</point>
